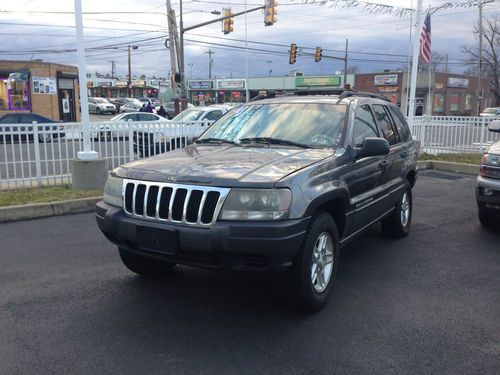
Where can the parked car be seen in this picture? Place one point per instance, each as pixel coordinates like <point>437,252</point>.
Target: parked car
<point>278,184</point>
<point>46,133</point>
<point>106,132</point>
<point>170,109</point>
<point>132,106</point>
<point>101,105</point>
<point>490,112</point>
<point>488,183</point>
<point>210,113</point>
<point>153,101</point>
<point>118,102</point>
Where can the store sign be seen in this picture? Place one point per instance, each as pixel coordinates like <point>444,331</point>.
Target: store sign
<point>317,81</point>
<point>458,82</point>
<point>438,85</point>
<point>388,89</point>
<point>386,80</point>
<point>44,85</point>
<point>201,85</point>
<point>18,76</point>
<point>231,84</point>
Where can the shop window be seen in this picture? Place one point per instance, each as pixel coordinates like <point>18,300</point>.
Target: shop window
<point>468,102</point>
<point>438,102</point>
<point>3,94</point>
<point>454,102</point>
<point>17,95</point>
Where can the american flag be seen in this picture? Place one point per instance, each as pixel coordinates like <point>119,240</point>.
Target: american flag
<point>425,40</point>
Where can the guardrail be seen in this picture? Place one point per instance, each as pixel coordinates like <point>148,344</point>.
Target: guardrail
<point>39,154</point>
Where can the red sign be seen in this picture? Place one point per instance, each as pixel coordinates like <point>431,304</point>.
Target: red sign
<point>235,94</point>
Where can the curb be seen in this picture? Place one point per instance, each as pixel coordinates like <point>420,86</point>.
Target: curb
<point>83,205</point>
<point>39,210</point>
<point>445,166</point>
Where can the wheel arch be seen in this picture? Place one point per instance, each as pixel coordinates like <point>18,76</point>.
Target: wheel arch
<point>334,203</point>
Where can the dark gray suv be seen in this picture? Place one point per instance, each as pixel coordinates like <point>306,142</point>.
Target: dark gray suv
<point>274,184</point>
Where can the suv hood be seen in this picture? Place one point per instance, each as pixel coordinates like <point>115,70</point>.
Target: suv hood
<point>217,165</point>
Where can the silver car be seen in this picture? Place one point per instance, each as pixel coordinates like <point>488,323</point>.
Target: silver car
<point>133,106</point>
<point>101,105</point>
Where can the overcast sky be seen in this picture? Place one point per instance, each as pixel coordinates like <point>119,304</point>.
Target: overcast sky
<point>376,41</point>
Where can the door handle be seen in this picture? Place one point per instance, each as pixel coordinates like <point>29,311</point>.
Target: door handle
<point>383,164</point>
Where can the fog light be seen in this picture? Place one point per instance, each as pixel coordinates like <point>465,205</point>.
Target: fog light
<point>486,191</point>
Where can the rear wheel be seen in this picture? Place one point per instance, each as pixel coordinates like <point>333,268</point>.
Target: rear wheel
<point>316,264</point>
<point>145,266</point>
<point>397,224</point>
<point>105,136</point>
<point>45,137</point>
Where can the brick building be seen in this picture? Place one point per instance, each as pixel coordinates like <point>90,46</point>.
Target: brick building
<point>450,94</point>
<point>44,88</point>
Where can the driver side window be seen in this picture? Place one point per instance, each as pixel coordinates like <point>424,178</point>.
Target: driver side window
<point>364,125</point>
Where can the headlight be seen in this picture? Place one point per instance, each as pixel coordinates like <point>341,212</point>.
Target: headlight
<point>113,191</point>
<point>490,166</point>
<point>257,204</point>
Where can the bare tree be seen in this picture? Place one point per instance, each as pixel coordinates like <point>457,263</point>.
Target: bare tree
<point>491,54</point>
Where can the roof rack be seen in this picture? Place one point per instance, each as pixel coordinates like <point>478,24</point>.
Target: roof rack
<point>349,93</point>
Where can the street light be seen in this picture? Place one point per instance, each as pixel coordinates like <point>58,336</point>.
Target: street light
<point>130,71</point>
<point>269,66</point>
<point>190,70</point>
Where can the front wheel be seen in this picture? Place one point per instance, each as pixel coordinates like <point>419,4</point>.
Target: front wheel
<point>98,111</point>
<point>488,221</point>
<point>397,224</point>
<point>105,136</point>
<point>315,265</point>
<point>144,266</point>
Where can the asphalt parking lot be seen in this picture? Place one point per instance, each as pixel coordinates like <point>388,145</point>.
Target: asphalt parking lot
<point>427,304</point>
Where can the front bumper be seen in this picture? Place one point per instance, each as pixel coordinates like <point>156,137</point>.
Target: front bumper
<point>489,204</point>
<point>234,245</point>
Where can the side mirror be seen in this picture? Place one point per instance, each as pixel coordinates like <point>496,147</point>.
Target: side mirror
<point>372,147</point>
<point>494,126</point>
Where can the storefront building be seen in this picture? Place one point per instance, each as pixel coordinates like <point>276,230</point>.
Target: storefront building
<point>47,89</point>
<point>388,84</point>
<point>234,90</point>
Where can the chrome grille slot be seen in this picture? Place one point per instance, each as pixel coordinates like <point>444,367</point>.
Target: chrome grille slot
<point>166,202</point>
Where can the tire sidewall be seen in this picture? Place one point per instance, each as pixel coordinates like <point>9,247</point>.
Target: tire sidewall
<point>309,299</point>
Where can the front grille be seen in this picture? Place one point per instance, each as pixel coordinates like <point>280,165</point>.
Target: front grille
<point>165,202</point>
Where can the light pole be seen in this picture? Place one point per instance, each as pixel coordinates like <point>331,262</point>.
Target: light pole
<point>190,70</point>
<point>129,83</point>
<point>269,67</point>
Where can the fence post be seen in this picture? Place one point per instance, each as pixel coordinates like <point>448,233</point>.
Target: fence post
<point>422,132</point>
<point>38,164</point>
<point>482,121</point>
<point>130,140</point>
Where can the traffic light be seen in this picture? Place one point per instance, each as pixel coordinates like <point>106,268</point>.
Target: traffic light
<point>318,54</point>
<point>270,12</point>
<point>228,22</point>
<point>293,53</point>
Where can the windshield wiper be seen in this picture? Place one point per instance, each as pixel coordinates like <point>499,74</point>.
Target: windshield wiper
<point>273,141</point>
<point>215,140</point>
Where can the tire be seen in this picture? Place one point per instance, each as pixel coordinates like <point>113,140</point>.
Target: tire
<point>98,111</point>
<point>45,137</point>
<point>105,136</point>
<point>397,224</point>
<point>309,288</point>
<point>145,266</point>
<point>488,221</point>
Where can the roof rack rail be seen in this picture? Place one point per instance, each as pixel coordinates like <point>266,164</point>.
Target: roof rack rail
<point>349,93</point>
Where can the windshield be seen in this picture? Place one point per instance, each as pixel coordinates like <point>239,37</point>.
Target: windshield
<point>101,100</point>
<point>188,115</point>
<point>312,124</point>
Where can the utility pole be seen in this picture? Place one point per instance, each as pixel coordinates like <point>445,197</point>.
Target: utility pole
<point>112,68</point>
<point>345,61</point>
<point>129,82</point>
<point>171,47</point>
<point>269,67</point>
<point>210,62</point>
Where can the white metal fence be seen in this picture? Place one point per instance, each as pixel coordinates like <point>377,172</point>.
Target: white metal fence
<point>41,155</point>
<point>450,134</point>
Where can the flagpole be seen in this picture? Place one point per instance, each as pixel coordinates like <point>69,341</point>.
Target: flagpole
<point>429,97</point>
<point>413,87</point>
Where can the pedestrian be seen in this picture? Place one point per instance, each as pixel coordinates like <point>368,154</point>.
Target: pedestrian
<point>149,108</point>
<point>161,112</point>
<point>143,108</point>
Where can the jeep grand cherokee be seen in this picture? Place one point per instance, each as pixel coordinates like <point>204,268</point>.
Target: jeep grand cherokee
<point>274,184</point>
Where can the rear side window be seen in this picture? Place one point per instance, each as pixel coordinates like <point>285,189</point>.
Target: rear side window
<point>364,125</point>
<point>401,125</point>
<point>385,123</point>
<point>214,115</point>
<point>146,117</point>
